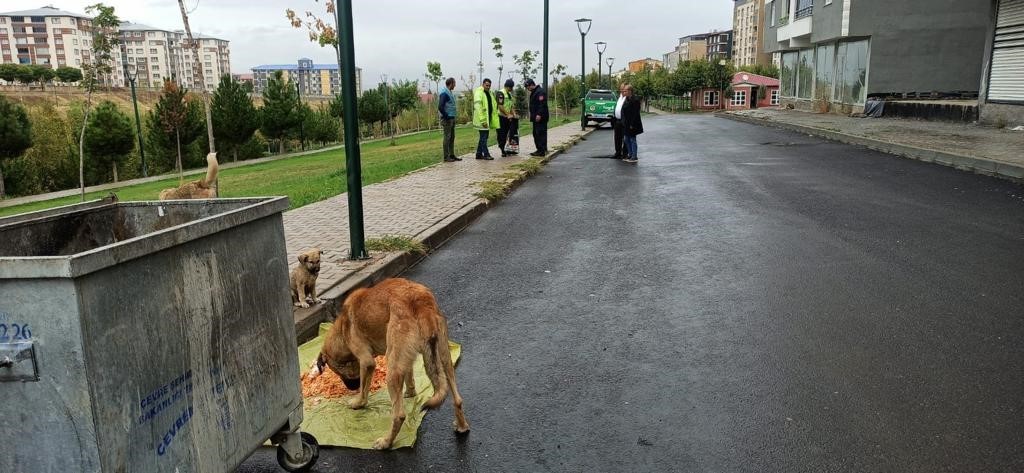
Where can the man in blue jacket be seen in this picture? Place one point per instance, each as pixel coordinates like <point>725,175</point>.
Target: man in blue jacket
<point>447,111</point>
<point>538,116</point>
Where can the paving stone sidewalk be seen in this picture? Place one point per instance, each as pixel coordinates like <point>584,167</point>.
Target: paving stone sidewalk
<point>988,150</point>
<point>405,206</point>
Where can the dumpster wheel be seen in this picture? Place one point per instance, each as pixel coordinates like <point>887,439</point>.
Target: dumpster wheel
<point>310,453</point>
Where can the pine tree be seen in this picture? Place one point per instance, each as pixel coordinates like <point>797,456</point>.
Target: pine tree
<point>176,121</point>
<point>280,113</point>
<point>15,134</point>
<point>109,136</point>
<point>234,116</point>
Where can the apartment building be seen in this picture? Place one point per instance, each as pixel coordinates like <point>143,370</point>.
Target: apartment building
<point>647,63</point>
<point>314,79</point>
<point>161,54</point>
<point>49,36</point>
<point>45,36</point>
<point>689,48</point>
<point>839,52</point>
<point>747,26</point>
<point>719,45</point>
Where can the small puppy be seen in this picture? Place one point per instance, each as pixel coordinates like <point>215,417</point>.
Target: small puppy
<point>400,319</point>
<point>205,188</point>
<point>303,279</point>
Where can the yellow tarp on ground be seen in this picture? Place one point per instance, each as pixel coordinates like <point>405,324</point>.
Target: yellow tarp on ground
<point>333,423</point>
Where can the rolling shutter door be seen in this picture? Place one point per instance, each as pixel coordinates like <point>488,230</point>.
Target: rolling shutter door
<point>1006,79</point>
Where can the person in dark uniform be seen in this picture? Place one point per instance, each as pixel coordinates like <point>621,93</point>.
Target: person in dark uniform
<point>538,116</point>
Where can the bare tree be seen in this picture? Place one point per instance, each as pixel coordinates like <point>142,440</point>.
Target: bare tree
<point>197,67</point>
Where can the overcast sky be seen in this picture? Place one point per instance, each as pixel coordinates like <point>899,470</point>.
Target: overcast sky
<point>399,37</point>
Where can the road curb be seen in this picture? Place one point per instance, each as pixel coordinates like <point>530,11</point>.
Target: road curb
<point>981,166</point>
<point>307,321</point>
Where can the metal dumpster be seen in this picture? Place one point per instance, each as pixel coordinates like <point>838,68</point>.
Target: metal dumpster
<point>148,337</point>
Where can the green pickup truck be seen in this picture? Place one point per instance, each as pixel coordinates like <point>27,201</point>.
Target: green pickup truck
<point>598,107</point>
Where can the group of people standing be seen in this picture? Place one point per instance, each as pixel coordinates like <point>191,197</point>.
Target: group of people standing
<point>627,124</point>
<point>497,111</point>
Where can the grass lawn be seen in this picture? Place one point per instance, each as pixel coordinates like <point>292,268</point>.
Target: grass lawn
<point>304,179</point>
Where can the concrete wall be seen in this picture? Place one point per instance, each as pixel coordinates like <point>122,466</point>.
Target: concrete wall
<point>1003,115</point>
<point>827,22</point>
<point>922,45</point>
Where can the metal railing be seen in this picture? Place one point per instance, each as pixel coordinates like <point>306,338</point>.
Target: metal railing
<point>804,12</point>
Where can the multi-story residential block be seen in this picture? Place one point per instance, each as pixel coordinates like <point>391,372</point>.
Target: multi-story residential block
<point>719,45</point>
<point>313,79</point>
<point>689,48</point>
<point>1002,90</point>
<point>160,54</point>
<point>747,26</point>
<point>647,63</point>
<point>48,36</point>
<point>45,36</point>
<point>839,52</point>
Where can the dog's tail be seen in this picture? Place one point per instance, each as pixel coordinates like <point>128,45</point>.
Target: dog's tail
<point>211,170</point>
<point>442,368</point>
<point>433,362</point>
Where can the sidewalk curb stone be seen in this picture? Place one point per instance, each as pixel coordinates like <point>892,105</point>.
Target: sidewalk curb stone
<point>308,320</point>
<point>981,166</point>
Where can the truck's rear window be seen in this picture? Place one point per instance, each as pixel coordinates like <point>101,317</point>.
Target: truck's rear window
<point>600,96</point>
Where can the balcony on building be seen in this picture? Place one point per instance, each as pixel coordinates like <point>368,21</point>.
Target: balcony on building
<point>794,22</point>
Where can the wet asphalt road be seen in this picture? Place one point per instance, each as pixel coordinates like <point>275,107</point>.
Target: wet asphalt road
<point>745,299</point>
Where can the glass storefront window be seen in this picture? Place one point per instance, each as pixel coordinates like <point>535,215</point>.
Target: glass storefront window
<point>851,72</point>
<point>805,73</point>
<point>824,71</point>
<point>788,73</point>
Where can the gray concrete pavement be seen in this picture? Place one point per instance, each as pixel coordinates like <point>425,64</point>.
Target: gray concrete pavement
<point>406,206</point>
<point>744,300</point>
<point>985,150</point>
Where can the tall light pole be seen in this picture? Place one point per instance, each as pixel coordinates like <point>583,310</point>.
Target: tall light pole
<point>582,23</point>
<point>130,72</point>
<point>353,169</point>
<point>391,128</point>
<point>601,46</point>
<point>301,74</point>
<point>721,78</point>
<point>546,48</point>
<point>480,65</point>
<point>609,62</point>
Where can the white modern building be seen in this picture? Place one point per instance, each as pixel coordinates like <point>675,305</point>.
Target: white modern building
<point>160,54</point>
<point>45,36</point>
<point>52,37</point>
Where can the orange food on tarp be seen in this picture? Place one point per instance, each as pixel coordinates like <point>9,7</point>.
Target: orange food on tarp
<point>329,385</point>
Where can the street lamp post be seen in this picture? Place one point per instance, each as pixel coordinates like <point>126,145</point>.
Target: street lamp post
<point>129,74</point>
<point>302,128</point>
<point>582,23</point>
<point>609,62</point>
<point>601,47</point>
<point>546,48</point>
<point>353,168</point>
<point>722,84</point>
<point>391,127</point>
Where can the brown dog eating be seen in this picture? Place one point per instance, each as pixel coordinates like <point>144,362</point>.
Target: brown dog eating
<point>303,279</point>
<point>400,319</point>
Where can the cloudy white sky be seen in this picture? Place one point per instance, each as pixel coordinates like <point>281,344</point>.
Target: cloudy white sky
<point>397,38</point>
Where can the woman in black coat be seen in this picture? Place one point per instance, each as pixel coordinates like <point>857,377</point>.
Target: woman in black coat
<point>632,125</point>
